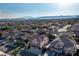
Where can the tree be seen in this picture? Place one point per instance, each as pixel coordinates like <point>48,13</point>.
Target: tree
<point>6,28</point>
<point>21,44</point>
<point>50,37</point>
<point>44,50</point>
<point>0,34</point>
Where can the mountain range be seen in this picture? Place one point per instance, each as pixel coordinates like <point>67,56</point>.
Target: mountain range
<point>41,18</point>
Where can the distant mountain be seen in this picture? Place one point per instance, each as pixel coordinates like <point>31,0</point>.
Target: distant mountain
<point>12,19</point>
<point>28,17</point>
<point>40,18</point>
<point>58,17</point>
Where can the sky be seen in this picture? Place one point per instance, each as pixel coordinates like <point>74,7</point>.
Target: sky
<point>15,10</point>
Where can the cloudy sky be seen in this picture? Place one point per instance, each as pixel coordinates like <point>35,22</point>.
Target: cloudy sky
<point>11,10</point>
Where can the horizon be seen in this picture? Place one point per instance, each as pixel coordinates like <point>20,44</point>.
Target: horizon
<point>18,10</point>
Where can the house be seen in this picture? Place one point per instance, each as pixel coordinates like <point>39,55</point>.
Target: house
<point>53,28</point>
<point>60,46</point>
<point>38,42</point>
<point>69,46</point>
<point>75,27</point>
<point>64,29</point>
<point>67,34</point>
